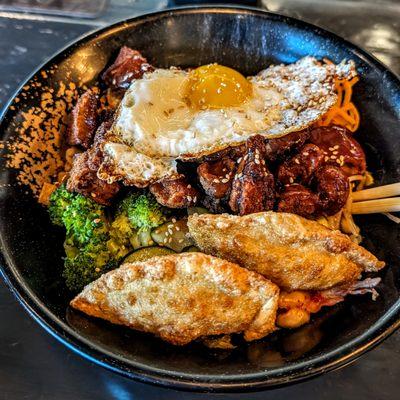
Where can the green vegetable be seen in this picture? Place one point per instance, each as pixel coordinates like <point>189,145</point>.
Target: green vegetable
<point>174,235</point>
<point>88,265</point>
<point>87,236</point>
<point>137,214</point>
<point>143,211</point>
<point>121,234</point>
<point>59,200</point>
<point>83,219</point>
<point>146,253</point>
<point>96,243</point>
<point>192,249</point>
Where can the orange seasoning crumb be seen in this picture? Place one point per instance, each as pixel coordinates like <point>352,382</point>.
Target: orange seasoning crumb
<point>35,152</point>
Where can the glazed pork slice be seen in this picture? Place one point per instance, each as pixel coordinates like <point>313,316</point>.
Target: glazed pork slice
<point>183,297</point>
<point>291,251</point>
<point>83,120</point>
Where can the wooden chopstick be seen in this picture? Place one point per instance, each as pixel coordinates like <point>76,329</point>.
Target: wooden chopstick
<point>391,204</point>
<point>379,192</point>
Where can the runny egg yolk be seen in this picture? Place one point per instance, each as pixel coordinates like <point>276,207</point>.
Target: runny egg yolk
<point>216,86</point>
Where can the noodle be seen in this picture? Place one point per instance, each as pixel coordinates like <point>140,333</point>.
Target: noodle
<point>344,112</point>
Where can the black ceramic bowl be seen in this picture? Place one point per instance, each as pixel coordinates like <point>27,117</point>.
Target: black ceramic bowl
<point>247,40</point>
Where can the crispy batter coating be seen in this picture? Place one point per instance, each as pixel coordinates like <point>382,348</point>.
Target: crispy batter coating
<point>291,251</point>
<point>183,297</point>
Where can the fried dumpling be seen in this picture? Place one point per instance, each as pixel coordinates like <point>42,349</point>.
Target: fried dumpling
<point>183,297</point>
<point>291,251</point>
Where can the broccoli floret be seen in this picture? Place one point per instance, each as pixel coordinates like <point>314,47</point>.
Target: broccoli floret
<point>60,199</point>
<point>83,219</point>
<point>87,265</point>
<point>87,253</point>
<point>143,211</point>
<point>93,244</point>
<point>121,234</point>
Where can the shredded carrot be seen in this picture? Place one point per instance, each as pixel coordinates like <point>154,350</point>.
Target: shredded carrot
<point>344,112</point>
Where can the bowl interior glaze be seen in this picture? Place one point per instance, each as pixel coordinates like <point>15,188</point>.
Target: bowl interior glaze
<point>247,40</point>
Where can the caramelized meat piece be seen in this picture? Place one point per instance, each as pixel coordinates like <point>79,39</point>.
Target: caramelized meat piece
<point>174,192</point>
<point>129,65</point>
<point>330,196</point>
<point>216,177</point>
<point>301,167</point>
<point>84,180</point>
<point>84,120</point>
<point>233,152</point>
<point>279,148</point>
<point>214,205</point>
<point>95,152</point>
<point>299,200</point>
<point>253,188</point>
<point>340,148</point>
<point>332,189</point>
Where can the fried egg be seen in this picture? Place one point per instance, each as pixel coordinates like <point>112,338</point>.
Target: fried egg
<point>173,114</point>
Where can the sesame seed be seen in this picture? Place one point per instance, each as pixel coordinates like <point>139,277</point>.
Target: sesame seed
<point>331,149</point>
<point>306,154</point>
<point>165,240</point>
<point>291,180</point>
<point>170,226</point>
<point>97,269</point>
<point>333,157</point>
<point>177,228</point>
<point>239,159</point>
<point>169,240</point>
<point>189,198</point>
<point>195,199</point>
<point>173,220</point>
<point>336,147</point>
<point>326,158</point>
<point>180,241</point>
<point>335,152</point>
<point>170,231</point>
<point>296,161</point>
<point>216,181</point>
<point>224,180</point>
<point>189,186</point>
<point>257,161</point>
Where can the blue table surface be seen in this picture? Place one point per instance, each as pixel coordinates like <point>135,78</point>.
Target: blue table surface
<point>33,365</point>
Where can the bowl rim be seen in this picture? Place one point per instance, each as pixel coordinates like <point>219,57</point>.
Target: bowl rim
<point>339,357</point>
